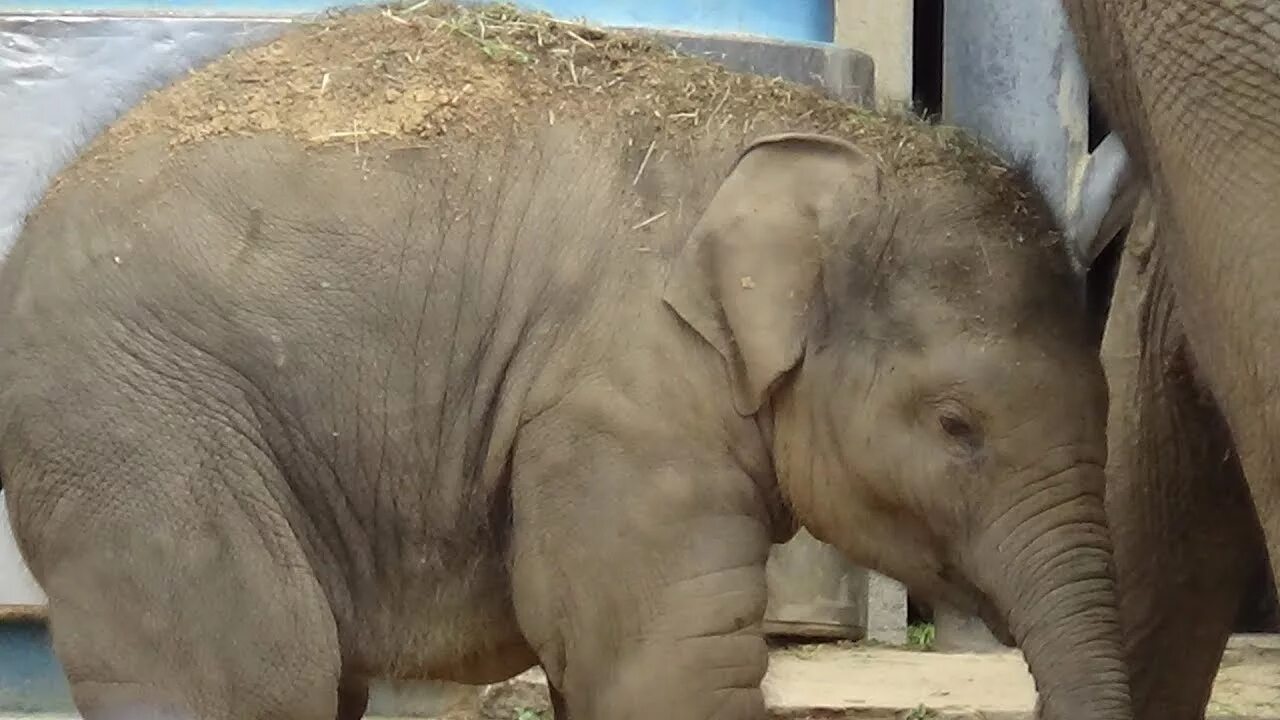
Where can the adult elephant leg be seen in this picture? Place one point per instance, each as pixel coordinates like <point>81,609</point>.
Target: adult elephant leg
<point>1185,533</point>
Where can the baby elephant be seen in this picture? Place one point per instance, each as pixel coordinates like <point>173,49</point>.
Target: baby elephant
<point>277,417</point>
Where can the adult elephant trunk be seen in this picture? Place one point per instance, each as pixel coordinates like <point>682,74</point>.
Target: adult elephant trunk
<point>1046,560</point>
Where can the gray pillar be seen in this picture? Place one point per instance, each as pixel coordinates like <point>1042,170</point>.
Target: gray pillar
<point>1011,76</point>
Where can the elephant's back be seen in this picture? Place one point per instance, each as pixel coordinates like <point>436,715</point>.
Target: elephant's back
<point>345,146</point>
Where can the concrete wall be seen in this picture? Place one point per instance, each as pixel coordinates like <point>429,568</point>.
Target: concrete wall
<point>882,29</point>
<point>17,587</point>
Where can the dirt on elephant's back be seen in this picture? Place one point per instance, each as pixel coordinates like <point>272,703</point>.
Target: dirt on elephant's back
<point>436,69</point>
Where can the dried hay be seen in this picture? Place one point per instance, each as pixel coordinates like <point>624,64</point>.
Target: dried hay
<point>436,69</point>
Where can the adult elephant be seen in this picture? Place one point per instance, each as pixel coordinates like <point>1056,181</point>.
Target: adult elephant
<point>1193,89</point>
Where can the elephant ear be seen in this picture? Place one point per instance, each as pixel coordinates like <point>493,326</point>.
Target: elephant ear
<point>750,274</point>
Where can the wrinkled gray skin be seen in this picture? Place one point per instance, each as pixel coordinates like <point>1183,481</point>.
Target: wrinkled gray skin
<point>1193,89</point>
<point>296,419</point>
<point>1187,538</point>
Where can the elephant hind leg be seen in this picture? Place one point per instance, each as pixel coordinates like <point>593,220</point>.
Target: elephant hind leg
<point>177,641</point>
<point>183,596</point>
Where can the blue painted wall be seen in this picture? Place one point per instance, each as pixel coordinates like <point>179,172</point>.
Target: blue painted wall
<point>802,20</point>
<point>794,20</point>
<point>31,679</point>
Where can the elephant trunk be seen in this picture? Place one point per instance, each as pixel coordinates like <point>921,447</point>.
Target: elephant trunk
<point>1052,575</point>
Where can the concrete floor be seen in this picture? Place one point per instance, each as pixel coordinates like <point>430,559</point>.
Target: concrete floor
<point>885,683</point>
<point>880,683</point>
<point>876,683</point>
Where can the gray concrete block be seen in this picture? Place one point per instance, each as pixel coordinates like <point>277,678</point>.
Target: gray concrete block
<point>885,615</point>
<point>844,73</point>
<point>423,699</point>
<point>955,631</point>
<point>814,592</point>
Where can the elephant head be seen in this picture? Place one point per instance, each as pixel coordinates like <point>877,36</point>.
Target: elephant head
<point>920,357</point>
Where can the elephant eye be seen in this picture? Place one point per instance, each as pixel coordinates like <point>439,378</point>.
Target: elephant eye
<point>956,427</point>
<point>955,423</point>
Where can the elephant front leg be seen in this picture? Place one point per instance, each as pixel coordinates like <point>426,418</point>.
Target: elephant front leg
<point>1186,544</point>
<point>1185,534</point>
<point>640,581</point>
